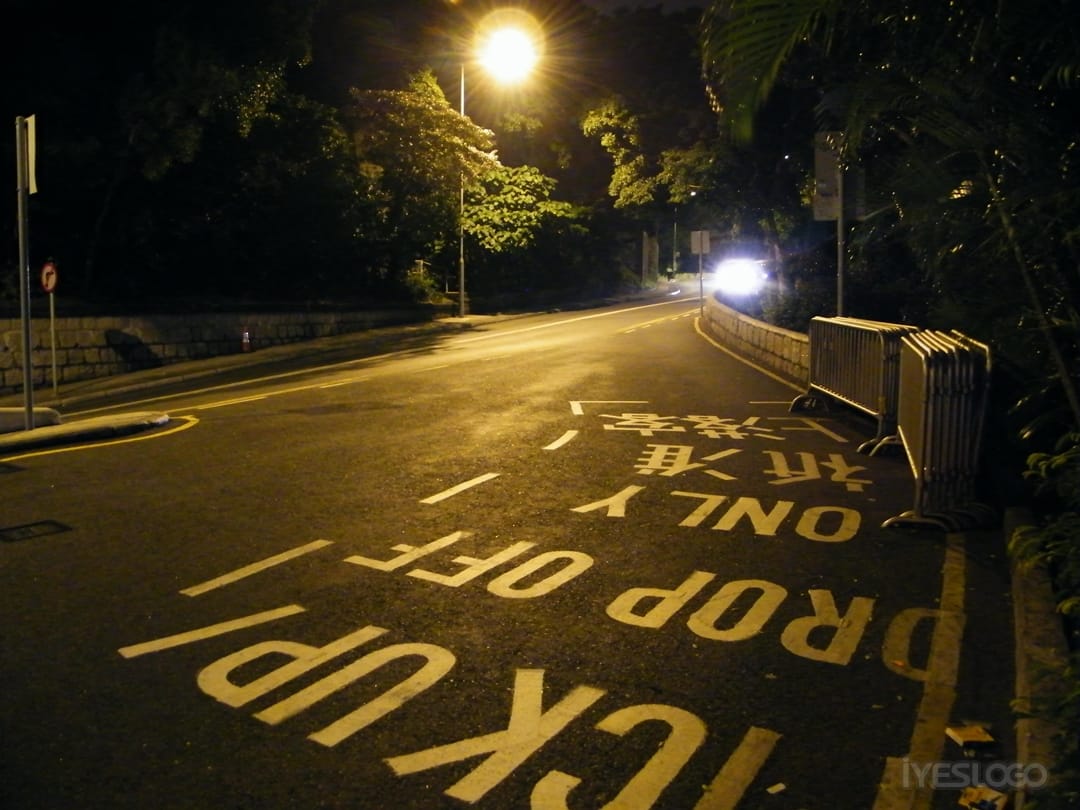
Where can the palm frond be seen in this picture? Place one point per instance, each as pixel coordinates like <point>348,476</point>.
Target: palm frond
<point>744,45</point>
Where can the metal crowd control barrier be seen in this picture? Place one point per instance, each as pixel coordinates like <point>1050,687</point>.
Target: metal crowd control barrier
<point>944,386</point>
<point>857,362</point>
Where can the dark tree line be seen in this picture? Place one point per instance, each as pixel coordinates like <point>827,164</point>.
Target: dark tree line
<point>963,116</point>
<point>294,150</point>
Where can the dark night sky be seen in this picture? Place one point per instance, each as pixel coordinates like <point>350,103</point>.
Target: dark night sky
<point>667,5</point>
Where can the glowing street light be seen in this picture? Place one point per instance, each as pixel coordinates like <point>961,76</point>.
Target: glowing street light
<point>508,54</point>
<point>508,47</point>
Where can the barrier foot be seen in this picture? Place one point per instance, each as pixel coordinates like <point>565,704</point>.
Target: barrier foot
<point>807,402</point>
<point>876,445</point>
<point>911,519</point>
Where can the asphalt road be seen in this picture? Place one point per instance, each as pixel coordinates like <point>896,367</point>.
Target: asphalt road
<point>572,560</point>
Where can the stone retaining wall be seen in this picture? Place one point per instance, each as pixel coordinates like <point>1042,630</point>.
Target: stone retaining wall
<point>93,347</point>
<point>782,351</point>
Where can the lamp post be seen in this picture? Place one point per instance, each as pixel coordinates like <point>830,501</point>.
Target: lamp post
<point>508,47</point>
<point>462,309</point>
<point>675,239</point>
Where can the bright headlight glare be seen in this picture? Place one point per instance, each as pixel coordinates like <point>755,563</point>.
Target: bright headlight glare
<point>739,276</point>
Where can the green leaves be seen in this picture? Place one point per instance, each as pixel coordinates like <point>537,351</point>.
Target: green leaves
<point>509,207</point>
<point>744,45</point>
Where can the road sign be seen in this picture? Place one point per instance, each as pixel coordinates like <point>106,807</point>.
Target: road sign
<point>49,277</point>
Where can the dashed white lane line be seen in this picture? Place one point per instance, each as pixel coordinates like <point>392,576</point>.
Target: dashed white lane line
<point>254,568</point>
<point>559,442</point>
<point>449,493</point>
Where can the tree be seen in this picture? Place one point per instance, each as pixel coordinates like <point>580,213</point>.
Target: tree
<point>633,179</point>
<point>509,213</point>
<point>506,210</point>
<point>961,112</point>
<point>123,105</point>
<point>963,115</point>
<point>414,151</point>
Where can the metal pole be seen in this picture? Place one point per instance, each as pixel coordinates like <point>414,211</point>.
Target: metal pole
<point>701,284</point>
<point>52,342</point>
<point>462,309</point>
<point>22,163</point>
<point>840,241</point>
<point>675,244</point>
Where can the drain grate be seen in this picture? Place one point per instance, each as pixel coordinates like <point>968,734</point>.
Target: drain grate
<point>27,531</point>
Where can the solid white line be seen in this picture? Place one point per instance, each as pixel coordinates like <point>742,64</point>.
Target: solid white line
<point>220,629</point>
<point>447,493</point>
<point>254,568</point>
<point>743,360</point>
<point>359,360</point>
<point>349,381</point>
<point>565,321</point>
<point>559,442</point>
<point>222,403</point>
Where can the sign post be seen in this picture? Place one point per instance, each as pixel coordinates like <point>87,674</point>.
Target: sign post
<point>48,284</point>
<point>699,246</point>
<point>833,200</point>
<point>25,185</point>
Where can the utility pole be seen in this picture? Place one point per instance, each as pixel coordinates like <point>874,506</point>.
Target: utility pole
<point>25,186</point>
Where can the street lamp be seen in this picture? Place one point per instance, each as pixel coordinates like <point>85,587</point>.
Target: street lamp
<point>508,46</point>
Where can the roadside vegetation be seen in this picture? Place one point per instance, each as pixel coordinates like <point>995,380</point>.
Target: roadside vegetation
<point>959,114</point>
<point>312,153</point>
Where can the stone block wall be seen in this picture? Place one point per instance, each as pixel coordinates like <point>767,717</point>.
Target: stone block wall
<point>782,351</point>
<point>93,347</point>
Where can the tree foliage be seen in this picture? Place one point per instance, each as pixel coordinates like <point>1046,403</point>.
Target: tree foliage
<point>277,150</point>
<point>121,107</point>
<point>959,112</point>
<point>962,114</point>
<point>619,131</point>
<point>512,207</point>
<point>413,152</point>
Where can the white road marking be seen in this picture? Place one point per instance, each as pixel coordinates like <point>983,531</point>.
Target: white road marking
<point>564,439</point>
<point>577,410</point>
<point>223,402</point>
<point>220,629</point>
<point>727,788</point>
<point>449,493</point>
<point>743,360</point>
<point>935,707</point>
<point>254,568</point>
<point>367,359</point>
<point>349,381</point>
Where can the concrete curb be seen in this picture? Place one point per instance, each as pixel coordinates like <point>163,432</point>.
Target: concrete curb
<point>15,418</point>
<point>100,427</point>
<point>1041,650</point>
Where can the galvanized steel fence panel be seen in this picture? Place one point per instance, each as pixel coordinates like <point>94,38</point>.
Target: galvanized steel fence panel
<point>944,388</point>
<point>857,362</point>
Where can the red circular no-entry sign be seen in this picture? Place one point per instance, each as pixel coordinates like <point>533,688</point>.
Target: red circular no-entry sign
<point>48,277</point>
